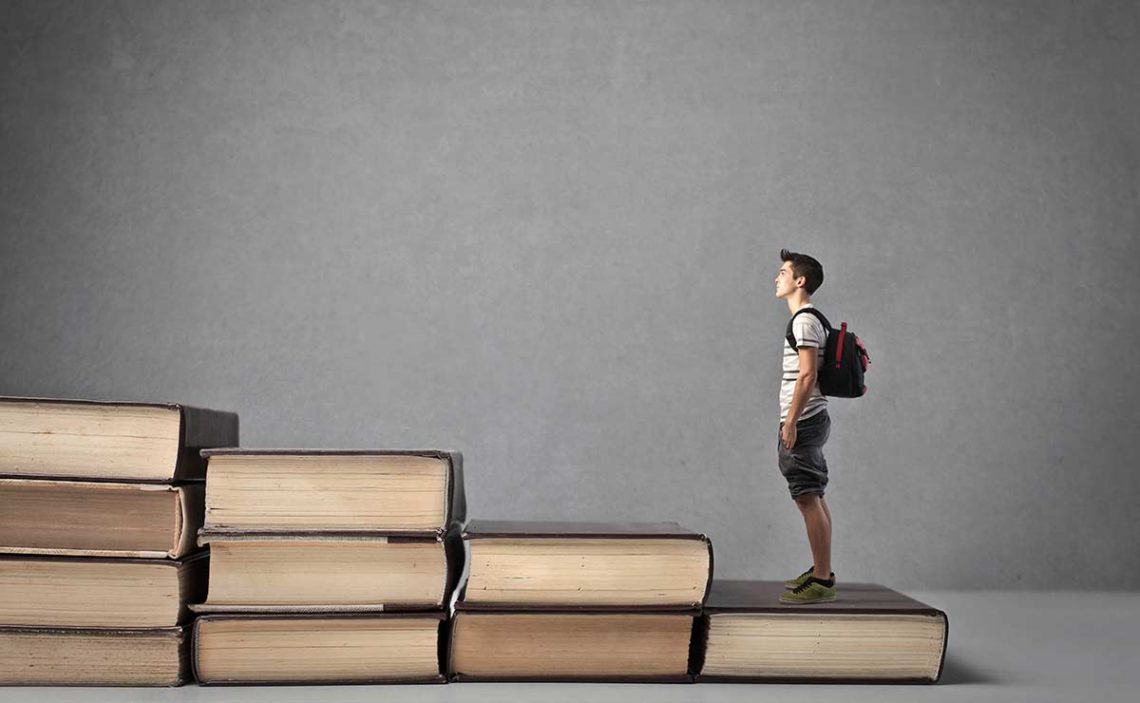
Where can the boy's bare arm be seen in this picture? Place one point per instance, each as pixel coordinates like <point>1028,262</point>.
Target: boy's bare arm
<point>805,381</point>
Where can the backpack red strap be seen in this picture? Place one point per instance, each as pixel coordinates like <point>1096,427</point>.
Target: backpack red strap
<point>839,344</point>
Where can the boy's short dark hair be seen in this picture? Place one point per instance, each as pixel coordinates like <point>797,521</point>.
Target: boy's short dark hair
<point>806,266</point>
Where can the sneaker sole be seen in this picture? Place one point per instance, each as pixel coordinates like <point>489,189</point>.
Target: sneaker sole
<point>828,599</point>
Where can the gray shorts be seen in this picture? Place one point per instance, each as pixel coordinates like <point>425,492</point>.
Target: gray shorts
<point>803,465</point>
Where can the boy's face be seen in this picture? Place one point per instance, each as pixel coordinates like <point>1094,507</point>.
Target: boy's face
<point>785,281</point>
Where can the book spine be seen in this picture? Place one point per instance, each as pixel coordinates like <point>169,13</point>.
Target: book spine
<point>709,582</point>
<point>190,505</point>
<point>457,498</point>
<point>455,553</point>
<point>193,582</point>
<point>443,649</point>
<point>698,645</point>
<point>202,429</point>
<point>195,637</point>
<point>945,641</point>
<point>184,668</point>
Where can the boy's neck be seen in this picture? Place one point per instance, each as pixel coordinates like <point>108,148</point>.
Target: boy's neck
<point>798,300</point>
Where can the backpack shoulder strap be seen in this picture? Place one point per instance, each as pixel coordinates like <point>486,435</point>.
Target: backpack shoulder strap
<point>818,315</point>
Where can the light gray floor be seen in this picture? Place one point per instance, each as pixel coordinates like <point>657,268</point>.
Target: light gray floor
<point>1004,646</point>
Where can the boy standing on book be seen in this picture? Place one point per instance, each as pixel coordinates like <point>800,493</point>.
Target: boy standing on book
<point>805,425</point>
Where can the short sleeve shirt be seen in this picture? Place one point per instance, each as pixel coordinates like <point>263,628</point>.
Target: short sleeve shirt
<point>809,332</point>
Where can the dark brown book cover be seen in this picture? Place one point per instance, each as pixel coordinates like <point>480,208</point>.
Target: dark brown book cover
<point>441,650</point>
<point>745,596</point>
<point>199,428</point>
<point>583,612</point>
<point>521,529</point>
<point>456,500</point>
<point>203,428</point>
<point>180,635</point>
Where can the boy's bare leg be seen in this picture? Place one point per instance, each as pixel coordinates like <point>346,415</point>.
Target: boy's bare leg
<point>817,519</point>
<point>827,511</point>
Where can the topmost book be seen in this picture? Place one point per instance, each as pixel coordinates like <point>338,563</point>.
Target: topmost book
<point>119,441</point>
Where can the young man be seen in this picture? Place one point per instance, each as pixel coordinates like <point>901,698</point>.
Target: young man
<point>805,425</point>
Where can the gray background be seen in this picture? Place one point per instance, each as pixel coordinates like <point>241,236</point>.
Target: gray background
<point>546,234</point>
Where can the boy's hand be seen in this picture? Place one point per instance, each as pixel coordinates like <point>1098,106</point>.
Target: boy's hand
<point>788,435</point>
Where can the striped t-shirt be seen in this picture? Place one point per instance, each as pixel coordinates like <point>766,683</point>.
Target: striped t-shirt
<point>809,332</point>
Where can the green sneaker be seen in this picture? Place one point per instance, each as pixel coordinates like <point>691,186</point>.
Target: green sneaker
<point>792,583</point>
<point>811,591</point>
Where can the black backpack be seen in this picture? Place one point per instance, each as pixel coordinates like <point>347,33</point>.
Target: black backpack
<point>844,361</point>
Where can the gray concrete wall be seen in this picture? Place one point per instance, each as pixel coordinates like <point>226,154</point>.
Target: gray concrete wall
<point>546,234</point>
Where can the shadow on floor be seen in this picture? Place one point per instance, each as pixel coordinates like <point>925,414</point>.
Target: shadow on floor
<point>957,672</point>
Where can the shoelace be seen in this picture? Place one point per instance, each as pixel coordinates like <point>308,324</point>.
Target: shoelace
<point>804,586</point>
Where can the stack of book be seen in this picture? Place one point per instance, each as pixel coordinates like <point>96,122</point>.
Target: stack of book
<point>99,505</point>
<point>328,566</point>
<point>579,602</point>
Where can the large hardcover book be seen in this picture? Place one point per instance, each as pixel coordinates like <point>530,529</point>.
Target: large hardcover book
<point>319,649</point>
<point>42,656</point>
<point>871,634</point>
<point>560,565</point>
<point>322,572</point>
<point>574,645</point>
<point>58,591</point>
<point>95,518</point>
<point>122,441</point>
<point>331,490</point>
